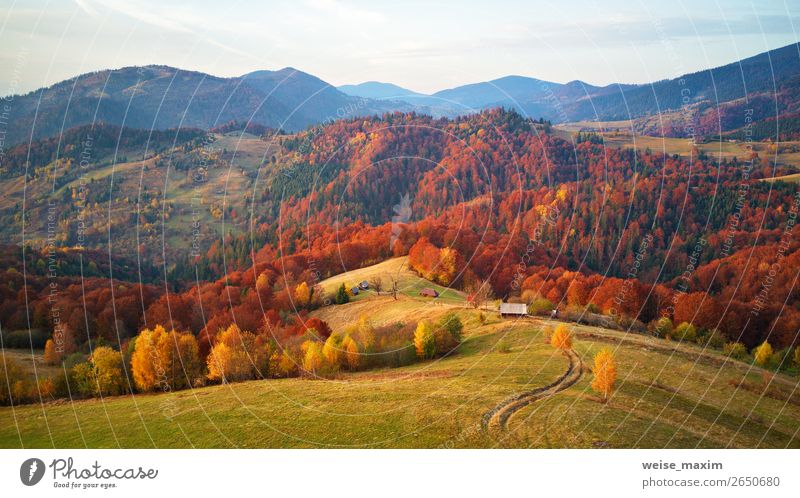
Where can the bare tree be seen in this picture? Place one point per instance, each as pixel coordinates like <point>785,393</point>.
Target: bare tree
<point>479,293</point>
<point>377,284</point>
<point>393,286</point>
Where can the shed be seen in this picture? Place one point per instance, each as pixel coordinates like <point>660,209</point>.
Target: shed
<point>428,292</point>
<point>513,309</point>
<point>354,291</point>
<point>364,285</point>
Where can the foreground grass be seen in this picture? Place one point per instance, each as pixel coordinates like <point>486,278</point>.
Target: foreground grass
<point>664,399</point>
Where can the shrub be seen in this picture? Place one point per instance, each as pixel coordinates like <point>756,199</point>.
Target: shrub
<point>540,306</point>
<point>712,338</point>
<point>547,332</point>
<point>74,359</point>
<point>47,388</point>
<point>82,376</point>
<point>662,327</point>
<point>735,350</point>
<point>447,333</point>
<point>782,359</point>
<point>503,347</point>
<point>797,356</point>
<point>10,374</point>
<point>452,323</point>
<point>18,339</point>
<point>686,332</point>
<point>562,338</point>
<point>763,354</point>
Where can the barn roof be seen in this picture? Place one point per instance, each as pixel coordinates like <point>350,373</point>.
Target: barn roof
<point>513,309</point>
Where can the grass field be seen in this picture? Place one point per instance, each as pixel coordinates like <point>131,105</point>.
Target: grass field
<point>408,282</point>
<point>667,396</point>
<point>618,134</point>
<point>793,178</point>
<point>31,361</point>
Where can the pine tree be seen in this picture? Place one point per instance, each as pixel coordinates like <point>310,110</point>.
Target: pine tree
<point>341,295</point>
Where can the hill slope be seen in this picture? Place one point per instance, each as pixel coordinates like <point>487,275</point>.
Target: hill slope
<point>667,396</point>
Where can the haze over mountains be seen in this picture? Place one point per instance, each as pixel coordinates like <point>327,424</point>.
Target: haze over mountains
<point>163,97</point>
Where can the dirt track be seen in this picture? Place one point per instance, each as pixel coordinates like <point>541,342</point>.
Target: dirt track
<point>497,417</point>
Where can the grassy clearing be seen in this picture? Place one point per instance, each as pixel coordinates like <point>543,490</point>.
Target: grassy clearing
<point>31,361</point>
<point>793,178</point>
<point>596,125</point>
<point>617,134</point>
<point>409,283</point>
<point>666,396</point>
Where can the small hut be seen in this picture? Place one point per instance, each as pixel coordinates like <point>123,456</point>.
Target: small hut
<point>428,292</point>
<point>364,285</point>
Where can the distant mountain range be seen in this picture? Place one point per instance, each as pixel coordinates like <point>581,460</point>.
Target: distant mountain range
<point>765,73</point>
<point>163,97</point>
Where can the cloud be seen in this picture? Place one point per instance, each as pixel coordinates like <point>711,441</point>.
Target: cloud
<point>87,7</point>
<point>343,12</point>
<point>171,19</point>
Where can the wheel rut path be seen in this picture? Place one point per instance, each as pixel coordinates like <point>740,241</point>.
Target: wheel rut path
<point>497,418</point>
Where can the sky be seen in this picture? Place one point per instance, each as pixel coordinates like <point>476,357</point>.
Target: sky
<point>421,45</point>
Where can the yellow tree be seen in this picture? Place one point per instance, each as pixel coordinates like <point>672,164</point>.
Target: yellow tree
<point>351,353</point>
<point>286,365</point>
<point>424,341</point>
<point>179,359</point>
<point>229,359</point>
<point>331,350</point>
<point>145,363</point>
<point>108,373</point>
<point>51,356</point>
<point>447,265</point>
<point>763,353</point>
<point>262,282</point>
<point>312,361</point>
<point>562,338</point>
<point>605,372</point>
<point>366,334</point>
<point>302,294</point>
